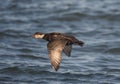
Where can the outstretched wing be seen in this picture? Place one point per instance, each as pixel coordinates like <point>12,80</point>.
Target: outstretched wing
<point>67,50</point>
<point>55,49</point>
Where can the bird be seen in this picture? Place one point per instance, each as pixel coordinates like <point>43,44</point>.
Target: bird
<point>58,43</point>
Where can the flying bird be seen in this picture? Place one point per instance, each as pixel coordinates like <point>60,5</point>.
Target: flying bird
<point>58,43</point>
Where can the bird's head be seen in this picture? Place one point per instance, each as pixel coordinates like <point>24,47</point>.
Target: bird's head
<point>38,35</point>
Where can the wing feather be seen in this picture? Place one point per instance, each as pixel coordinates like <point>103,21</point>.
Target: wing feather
<point>67,50</point>
<point>55,49</point>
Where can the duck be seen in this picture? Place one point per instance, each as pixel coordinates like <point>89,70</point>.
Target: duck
<point>58,43</point>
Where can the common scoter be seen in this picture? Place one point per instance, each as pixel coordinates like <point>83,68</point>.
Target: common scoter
<point>58,43</point>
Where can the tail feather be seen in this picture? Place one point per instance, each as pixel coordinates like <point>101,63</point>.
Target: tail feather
<point>81,43</point>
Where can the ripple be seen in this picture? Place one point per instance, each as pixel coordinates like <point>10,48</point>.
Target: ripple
<point>113,51</point>
<point>25,50</point>
<point>32,57</point>
<point>78,74</point>
<point>12,70</point>
<point>13,33</point>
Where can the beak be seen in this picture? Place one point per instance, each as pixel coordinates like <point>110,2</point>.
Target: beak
<point>33,36</point>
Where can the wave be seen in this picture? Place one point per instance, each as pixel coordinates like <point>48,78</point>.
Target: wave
<point>113,51</point>
<point>14,33</point>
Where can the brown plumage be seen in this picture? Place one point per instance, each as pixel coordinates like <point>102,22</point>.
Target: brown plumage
<point>58,43</point>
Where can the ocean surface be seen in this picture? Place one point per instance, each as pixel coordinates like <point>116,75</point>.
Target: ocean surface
<point>24,60</point>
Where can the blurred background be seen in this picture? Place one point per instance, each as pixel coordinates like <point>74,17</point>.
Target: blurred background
<point>24,60</point>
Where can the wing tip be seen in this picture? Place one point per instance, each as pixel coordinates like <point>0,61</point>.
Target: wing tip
<point>55,68</point>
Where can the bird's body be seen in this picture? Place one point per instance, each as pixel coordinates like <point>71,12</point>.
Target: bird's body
<point>58,43</point>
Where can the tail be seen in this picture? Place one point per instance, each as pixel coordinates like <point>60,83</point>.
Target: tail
<point>81,43</point>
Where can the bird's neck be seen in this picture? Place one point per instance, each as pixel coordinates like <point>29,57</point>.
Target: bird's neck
<point>46,37</point>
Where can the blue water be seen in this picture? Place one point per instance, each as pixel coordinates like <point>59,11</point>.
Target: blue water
<point>24,60</point>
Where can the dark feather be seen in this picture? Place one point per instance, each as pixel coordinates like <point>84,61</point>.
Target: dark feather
<point>67,50</point>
